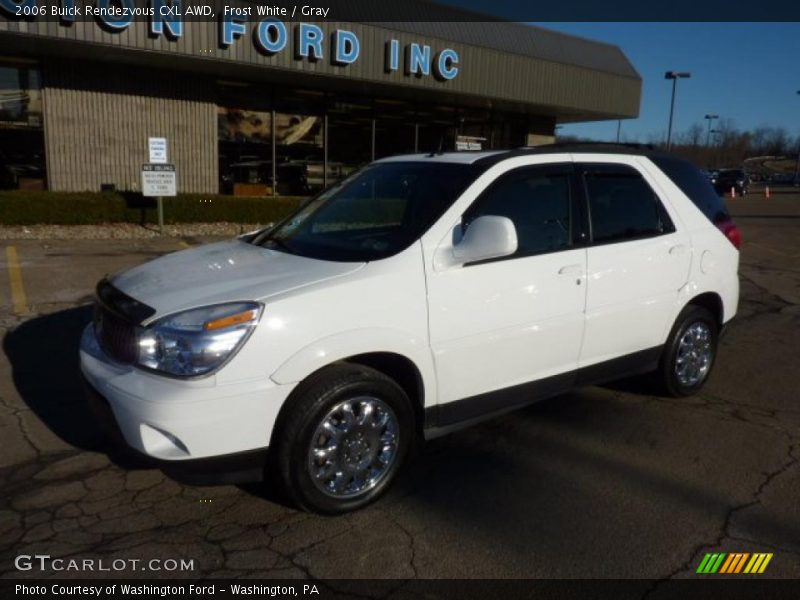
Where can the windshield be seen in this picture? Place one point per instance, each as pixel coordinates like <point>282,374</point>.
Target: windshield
<point>373,214</point>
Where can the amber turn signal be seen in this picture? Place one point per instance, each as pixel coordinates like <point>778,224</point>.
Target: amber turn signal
<point>236,319</point>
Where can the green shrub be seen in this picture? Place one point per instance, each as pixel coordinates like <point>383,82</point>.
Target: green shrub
<point>82,208</point>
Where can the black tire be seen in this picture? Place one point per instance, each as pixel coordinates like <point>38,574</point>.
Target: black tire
<point>309,406</point>
<point>703,320</point>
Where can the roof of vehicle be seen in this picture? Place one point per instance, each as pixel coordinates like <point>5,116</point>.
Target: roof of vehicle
<point>489,157</point>
<point>463,157</point>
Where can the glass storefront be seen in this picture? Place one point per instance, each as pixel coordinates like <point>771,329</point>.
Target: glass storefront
<point>22,162</point>
<point>298,142</point>
<point>245,151</point>
<point>349,136</point>
<point>268,145</point>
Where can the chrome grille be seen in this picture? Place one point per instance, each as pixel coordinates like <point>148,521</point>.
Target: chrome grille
<point>117,337</point>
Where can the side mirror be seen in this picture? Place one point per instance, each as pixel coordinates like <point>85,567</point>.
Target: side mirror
<point>486,237</point>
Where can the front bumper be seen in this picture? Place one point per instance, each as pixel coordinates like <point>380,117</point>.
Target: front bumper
<point>196,431</point>
<point>240,467</point>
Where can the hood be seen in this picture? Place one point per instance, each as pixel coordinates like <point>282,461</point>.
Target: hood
<point>222,272</point>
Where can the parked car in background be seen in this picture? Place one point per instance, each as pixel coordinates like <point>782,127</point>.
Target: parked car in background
<point>252,176</point>
<point>728,179</point>
<point>314,173</point>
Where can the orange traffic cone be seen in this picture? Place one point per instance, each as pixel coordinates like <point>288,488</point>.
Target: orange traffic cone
<point>766,192</point>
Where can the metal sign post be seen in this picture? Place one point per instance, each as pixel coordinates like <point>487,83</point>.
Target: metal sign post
<point>158,177</point>
<point>160,203</point>
<point>159,180</point>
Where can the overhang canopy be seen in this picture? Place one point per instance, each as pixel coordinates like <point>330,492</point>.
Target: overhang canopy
<point>492,64</point>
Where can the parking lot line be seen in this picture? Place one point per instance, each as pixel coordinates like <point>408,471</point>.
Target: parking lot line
<point>19,301</point>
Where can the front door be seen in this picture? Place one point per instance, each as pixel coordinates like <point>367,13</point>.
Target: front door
<point>499,325</point>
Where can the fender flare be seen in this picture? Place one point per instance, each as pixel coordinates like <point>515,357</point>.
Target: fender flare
<point>686,294</point>
<point>340,346</point>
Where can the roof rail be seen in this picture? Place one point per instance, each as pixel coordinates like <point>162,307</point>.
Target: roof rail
<point>592,144</point>
<point>576,147</point>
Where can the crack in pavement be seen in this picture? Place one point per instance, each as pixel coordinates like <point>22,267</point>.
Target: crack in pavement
<point>411,541</point>
<point>772,419</point>
<point>114,518</point>
<point>724,528</point>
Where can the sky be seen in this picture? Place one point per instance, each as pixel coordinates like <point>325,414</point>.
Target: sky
<point>746,72</point>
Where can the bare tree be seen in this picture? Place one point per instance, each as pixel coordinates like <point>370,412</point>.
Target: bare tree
<point>694,135</point>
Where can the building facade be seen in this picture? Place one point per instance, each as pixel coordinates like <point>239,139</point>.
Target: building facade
<point>261,106</point>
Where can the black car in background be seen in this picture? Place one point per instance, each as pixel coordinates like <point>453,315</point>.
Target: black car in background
<point>725,179</point>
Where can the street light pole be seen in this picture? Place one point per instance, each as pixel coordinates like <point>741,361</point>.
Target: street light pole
<point>715,132</point>
<point>710,119</point>
<point>797,164</point>
<point>674,75</point>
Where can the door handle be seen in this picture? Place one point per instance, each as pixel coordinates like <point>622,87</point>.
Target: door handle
<point>677,250</point>
<point>571,270</point>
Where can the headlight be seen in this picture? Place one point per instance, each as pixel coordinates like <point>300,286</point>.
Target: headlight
<point>197,341</point>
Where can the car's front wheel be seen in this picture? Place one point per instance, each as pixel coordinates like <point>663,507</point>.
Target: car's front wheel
<point>346,433</point>
<point>689,352</point>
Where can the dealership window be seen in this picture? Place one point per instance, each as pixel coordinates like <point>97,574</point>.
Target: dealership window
<point>474,130</point>
<point>244,132</point>
<point>300,143</point>
<point>256,130</point>
<point>393,135</point>
<point>22,161</point>
<point>507,131</point>
<point>295,142</point>
<point>395,127</point>
<point>245,151</point>
<point>349,136</point>
<point>436,136</point>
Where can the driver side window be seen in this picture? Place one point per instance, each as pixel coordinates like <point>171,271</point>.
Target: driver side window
<point>537,200</point>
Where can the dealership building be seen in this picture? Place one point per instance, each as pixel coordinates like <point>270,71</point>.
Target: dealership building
<point>257,106</point>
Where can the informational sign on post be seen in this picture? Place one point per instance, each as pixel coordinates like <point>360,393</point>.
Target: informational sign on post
<point>158,150</point>
<point>159,180</point>
<point>469,142</point>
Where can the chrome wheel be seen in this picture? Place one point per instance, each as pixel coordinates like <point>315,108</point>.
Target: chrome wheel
<point>693,359</point>
<point>354,447</point>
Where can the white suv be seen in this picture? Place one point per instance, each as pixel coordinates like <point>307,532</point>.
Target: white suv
<point>420,295</point>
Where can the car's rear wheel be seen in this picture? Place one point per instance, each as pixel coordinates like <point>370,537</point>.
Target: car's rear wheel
<point>689,352</point>
<point>344,438</point>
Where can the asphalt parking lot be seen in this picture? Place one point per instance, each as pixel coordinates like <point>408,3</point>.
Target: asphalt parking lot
<point>606,482</point>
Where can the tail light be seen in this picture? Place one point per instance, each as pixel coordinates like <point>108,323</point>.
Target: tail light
<point>731,231</point>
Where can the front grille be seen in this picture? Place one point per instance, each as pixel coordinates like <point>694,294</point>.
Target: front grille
<point>117,337</point>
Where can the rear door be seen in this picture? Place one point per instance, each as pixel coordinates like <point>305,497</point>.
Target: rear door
<point>637,261</point>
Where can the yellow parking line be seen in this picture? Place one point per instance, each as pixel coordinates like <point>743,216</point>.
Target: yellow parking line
<point>18,299</point>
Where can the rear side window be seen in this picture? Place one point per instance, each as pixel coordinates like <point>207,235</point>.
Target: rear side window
<point>695,185</point>
<point>622,206</point>
<point>537,200</point>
